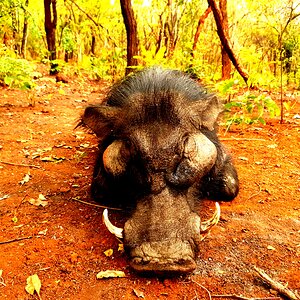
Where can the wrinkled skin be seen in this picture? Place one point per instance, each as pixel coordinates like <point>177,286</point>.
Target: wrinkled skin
<point>159,154</point>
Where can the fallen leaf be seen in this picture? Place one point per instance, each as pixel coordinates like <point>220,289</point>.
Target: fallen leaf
<point>14,219</point>
<point>110,274</point>
<point>85,145</point>
<point>53,158</point>
<point>25,179</point>
<point>243,158</point>
<point>1,278</point>
<point>109,252</point>
<point>47,158</point>
<point>22,141</point>
<point>138,293</point>
<point>33,284</point>
<point>121,247</point>
<point>43,232</point>
<point>4,197</point>
<point>270,247</point>
<point>41,200</point>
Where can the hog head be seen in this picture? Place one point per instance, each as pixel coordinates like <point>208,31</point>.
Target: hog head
<point>158,156</point>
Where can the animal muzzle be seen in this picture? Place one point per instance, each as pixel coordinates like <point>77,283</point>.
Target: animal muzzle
<point>166,248</point>
<point>172,256</point>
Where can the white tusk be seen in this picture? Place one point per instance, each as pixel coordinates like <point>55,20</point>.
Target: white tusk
<point>118,232</point>
<point>207,225</point>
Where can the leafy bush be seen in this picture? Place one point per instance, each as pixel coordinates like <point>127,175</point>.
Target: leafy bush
<point>249,109</point>
<point>110,65</point>
<point>17,73</point>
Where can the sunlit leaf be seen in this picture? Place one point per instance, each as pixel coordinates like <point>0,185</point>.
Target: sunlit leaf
<point>25,179</point>
<point>110,274</point>
<point>138,293</point>
<point>41,200</point>
<point>109,252</point>
<point>33,285</point>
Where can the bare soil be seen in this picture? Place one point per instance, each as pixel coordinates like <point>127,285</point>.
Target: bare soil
<point>64,241</point>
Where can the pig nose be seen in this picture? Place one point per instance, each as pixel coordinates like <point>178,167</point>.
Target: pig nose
<point>170,257</point>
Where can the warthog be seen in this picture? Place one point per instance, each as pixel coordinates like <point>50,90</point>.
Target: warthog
<point>159,155</point>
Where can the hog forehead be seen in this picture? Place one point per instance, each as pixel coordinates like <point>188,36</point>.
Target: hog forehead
<point>157,139</point>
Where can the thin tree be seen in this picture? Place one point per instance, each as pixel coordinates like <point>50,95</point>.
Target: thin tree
<point>131,32</point>
<point>25,30</point>
<point>226,64</point>
<point>225,41</point>
<point>200,24</point>
<point>50,26</point>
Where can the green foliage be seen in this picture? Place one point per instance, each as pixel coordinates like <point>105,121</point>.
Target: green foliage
<point>68,40</point>
<point>110,65</point>
<point>228,87</point>
<point>250,109</point>
<point>91,36</point>
<point>17,73</point>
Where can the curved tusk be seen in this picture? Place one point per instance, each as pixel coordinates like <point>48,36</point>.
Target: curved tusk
<point>118,232</point>
<point>207,225</point>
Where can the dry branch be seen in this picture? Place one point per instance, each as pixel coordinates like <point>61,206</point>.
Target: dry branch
<point>96,205</point>
<point>281,289</point>
<point>231,296</point>
<point>19,165</point>
<point>242,139</point>
<point>203,287</point>
<point>16,240</point>
<point>243,298</point>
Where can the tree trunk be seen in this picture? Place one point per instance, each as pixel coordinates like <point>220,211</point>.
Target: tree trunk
<point>226,64</point>
<point>225,42</point>
<point>199,28</point>
<point>14,23</point>
<point>25,31</point>
<point>50,27</point>
<point>93,46</point>
<point>132,37</point>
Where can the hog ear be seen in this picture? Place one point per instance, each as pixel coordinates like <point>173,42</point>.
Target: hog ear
<point>100,119</point>
<point>205,112</point>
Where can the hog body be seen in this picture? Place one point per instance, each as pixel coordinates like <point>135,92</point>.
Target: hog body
<point>159,155</point>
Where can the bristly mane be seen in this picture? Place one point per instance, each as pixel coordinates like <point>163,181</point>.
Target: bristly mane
<point>152,81</point>
<point>152,95</point>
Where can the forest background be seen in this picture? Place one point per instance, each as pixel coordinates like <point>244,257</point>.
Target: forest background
<point>225,43</point>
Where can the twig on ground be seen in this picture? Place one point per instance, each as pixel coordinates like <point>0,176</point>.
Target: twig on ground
<point>231,296</point>
<point>280,288</point>
<point>96,205</point>
<point>16,240</point>
<point>254,195</point>
<point>203,287</point>
<point>243,298</point>
<point>19,165</point>
<point>241,139</point>
<point>2,281</point>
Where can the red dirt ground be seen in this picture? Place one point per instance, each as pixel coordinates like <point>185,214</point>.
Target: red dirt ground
<point>64,241</point>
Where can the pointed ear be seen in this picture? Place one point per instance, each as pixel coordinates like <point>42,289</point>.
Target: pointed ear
<point>205,112</point>
<point>101,119</point>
